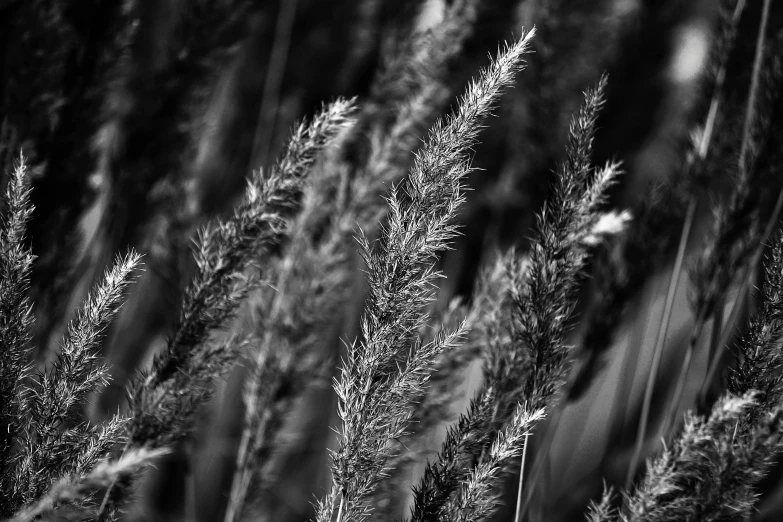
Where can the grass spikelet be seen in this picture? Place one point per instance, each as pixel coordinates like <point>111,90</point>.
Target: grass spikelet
<point>314,278</point>
<point>380,374</point>
<point>435,406</point>
<point>317,273</point>
<point>602,511</point>
<point>263,417</point>
<point>710,470</point>
<point>15,310</point>
<point>224,250</point>
<point>478,498</point>
<point>74,490</point>
<point>760,364</point>
<point>55,394</point>
<point>223,253</point>
<point>532,343</point>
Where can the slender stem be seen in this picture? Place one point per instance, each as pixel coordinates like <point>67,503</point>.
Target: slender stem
<point>750,113</point>
<point>660,340</point>
<point>236,496</point>
<point>628,364</point>
<point>518,515</point>
<point>190,491</point>
<point>631,362</point>
<point>702,150</point>
<point>274,79</point>
<point>340,509</point>
<point>717,324</point>
<point>726,328</point>
<point>105,501</point>
<point>541,453</point>
<point>745,149</point>
<point>709,125</point>
<point>679,389</point>
<point>269,103</point>
<point>735,307</point>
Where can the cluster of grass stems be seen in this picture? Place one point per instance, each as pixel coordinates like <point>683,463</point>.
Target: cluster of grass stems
<point>360,190</point>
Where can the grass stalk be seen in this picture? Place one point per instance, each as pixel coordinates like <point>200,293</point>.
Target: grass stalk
<point>742,181</point>
<point>660,340</point>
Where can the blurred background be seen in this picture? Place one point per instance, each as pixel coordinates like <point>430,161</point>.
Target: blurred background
<point>142,118</point>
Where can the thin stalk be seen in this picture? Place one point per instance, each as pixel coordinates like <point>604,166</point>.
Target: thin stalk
<point>629,365</point>
<point>518,515</point>
<point>725,331</point>
<point>745,149</point>
<point>540,456</point>
<point>340,509</point>
<point>679,389</point>
<point>660,339</point>
<point>270,100</point>
<point>734,309</point>
<point>110,489</point>
<point>631,360</point>
<point>709,126</point>
<point>755,78</point>
<point>190,485</point>
<point>233,507</point>
<point>717,324</point>
<point>702,149</point>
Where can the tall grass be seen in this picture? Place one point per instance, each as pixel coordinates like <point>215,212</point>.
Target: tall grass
<point>522,316</point>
